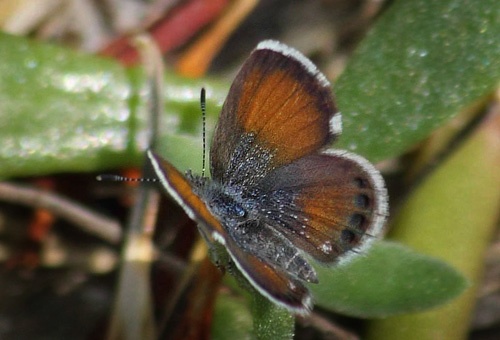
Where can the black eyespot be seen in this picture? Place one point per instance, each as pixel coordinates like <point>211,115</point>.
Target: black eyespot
<point>361,201</point>
<point>347,236</point>
<point>360,182</point>
<point>356,220</point>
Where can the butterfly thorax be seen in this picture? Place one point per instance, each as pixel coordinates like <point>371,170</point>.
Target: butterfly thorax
<point>228,203</point>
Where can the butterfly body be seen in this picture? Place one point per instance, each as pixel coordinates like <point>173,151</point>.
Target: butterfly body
<point>276,197</point>
<point>247,220</point>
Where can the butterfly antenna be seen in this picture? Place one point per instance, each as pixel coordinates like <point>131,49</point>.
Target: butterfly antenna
<point>203,115</point>
<point>118,178</point>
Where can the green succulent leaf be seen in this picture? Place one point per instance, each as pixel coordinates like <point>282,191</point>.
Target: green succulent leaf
<point>390,279</point>
<point>62,111</point>
<point>421,64</point>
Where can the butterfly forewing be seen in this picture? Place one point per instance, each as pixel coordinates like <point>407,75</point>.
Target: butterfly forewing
<point>279,107</point>
<point>179,188</point>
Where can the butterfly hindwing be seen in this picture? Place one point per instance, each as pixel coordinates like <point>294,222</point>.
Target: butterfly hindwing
<point>326,204</point>
<point>271,282</point>
<point>279,108</point>
<point>257,238</point>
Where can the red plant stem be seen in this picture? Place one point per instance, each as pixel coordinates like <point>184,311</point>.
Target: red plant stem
<point>175,29</point>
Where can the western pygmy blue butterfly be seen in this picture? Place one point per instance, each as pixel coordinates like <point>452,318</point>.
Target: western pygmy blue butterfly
<point>276,198</point>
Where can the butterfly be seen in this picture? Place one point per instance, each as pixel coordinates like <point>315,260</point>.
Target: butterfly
<point>276,199</point>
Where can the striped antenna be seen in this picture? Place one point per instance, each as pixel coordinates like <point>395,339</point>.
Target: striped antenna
<point>203,114</point>
<point>118,178</point>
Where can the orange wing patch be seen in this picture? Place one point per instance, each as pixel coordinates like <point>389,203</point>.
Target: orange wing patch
<point>283,114</point>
